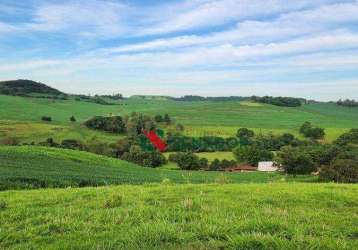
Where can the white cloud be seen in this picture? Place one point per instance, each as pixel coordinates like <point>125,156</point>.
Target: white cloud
<point>94,18</point>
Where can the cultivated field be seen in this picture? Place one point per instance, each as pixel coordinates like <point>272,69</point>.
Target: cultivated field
<point>199,118</point>
<point>39,167</point>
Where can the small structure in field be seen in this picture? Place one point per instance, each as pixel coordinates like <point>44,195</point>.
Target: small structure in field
<point>267,166</point>
<point>242,168</point>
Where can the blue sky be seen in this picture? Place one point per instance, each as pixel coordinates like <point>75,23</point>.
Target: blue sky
<point>207,47</point>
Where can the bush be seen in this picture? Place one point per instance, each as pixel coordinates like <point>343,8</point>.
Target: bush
<point>189,161</point>
<point>350,137</point>
<point>72,119</point>
<point>3,205</point>
<point>72,144</point>
<point>245,136</point>
<point>146,159</point>
<point>114,124</point>
<point>215,165</point>
<point>341,170</point>
<point>295,161</point>
<point>46,118</point>
<point>311,132</point>
<point>252,154</point>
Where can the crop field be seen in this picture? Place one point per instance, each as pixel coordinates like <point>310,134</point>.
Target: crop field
<point>169,216</point>
<point>199,118</point>
<point>39,167</point>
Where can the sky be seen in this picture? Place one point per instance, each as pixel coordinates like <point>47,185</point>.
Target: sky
<point>300,48</point>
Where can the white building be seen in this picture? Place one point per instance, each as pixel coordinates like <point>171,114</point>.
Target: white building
<point>267,166</point>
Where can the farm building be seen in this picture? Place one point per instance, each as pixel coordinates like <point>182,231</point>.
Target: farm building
<point>267,166</point>
<point>242,168</point>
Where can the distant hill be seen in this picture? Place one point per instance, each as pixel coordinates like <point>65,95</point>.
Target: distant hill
<point>27,88</point>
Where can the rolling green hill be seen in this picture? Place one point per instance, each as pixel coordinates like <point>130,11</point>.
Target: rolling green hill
<point>37,167</point>
<point>161,216</point>
<point>199,118</point>
<point>27,88</point>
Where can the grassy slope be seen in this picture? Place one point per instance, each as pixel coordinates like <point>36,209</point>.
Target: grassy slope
<point>199,118</point>
<point>27,167</point>
<point>236,216</point>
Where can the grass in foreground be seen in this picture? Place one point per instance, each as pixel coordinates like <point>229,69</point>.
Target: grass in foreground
<point>164,216</point>
<point>40,167</point>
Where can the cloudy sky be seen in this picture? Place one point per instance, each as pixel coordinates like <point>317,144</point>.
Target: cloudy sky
<point>300,48</point>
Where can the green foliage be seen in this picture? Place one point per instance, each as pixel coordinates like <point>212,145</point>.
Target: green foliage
<point>190,161</point>
<point>279,101</point>
<point>72,119</point>
<point>311,132</point>
<point>348,103</point>
<point>340,170</point>
<point>26,88</point>
<point>245,136</point>
<point>46,118</point>
<point>200,144</point>
<point>113,124</point>
<point>350,137</point>
<point>144,158</point>
<point>3,205</point>
<point>72,144</point>
<point>252,154</point>
<point>295,161</point>
<point>158,118</point>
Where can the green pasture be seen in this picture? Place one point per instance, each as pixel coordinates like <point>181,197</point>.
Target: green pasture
<point>169,216</point>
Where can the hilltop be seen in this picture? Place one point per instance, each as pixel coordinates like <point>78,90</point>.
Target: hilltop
<point>27,88</point>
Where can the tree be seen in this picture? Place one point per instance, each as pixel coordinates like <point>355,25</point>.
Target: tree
<point>295,161</point>
<point>158,118</point>
<point>252,154</point>
<point>341,170</point>
<point>215,165</point>
<point>46,118</point>
<point>311,132</point>
<point>72,119</point>
<point>244,132</point>
<point>189,161</point>
<point>245,136</point>
<point>167,119</point>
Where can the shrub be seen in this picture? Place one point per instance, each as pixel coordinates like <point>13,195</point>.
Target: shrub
<point>296,161</point>
<point>3,205</point>
<point>350,137</point>
<point>215,165</point>
<point>72,119</point>
<point>146,159</point>
<point>72,144</point>
<point>341,170</point>
<point>252,154</point>
<point>46,118</point>
<point>189,161</point>
<point>311,132</point>
<point>245,136</point>
<point>114,124</point>
<point>158,118</point>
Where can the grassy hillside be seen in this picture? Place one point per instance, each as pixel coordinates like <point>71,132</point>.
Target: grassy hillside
<point>199,118</point>
<point>33,167</point>
<point>160,216</point>
<point>27,88</point>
